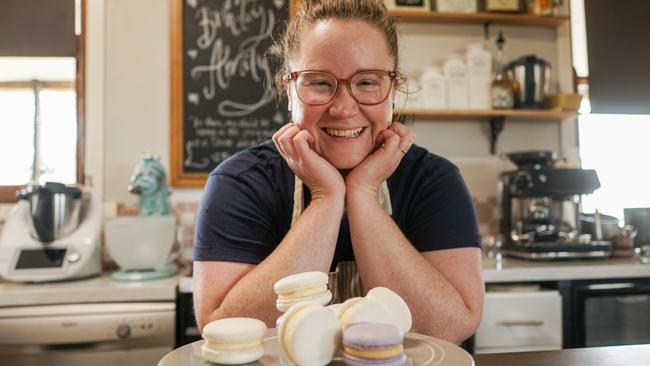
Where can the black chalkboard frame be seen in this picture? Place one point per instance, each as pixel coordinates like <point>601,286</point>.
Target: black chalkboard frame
<point>179,177</point>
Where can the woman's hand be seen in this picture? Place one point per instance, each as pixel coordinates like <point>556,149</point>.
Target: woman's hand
<point>392,145</point>
<point>295,146</point>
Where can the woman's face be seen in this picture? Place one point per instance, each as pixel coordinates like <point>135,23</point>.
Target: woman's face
<point>342,48</point>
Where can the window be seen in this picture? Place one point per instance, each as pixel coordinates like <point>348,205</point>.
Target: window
<point>42,62</point>
<point>38,149</point>
<point>615,145</point>
<point>38,122</point>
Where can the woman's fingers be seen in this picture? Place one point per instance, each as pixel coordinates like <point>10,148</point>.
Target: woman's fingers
<point>284,141</point>
<point>301,142</point>
<point>405,134</point>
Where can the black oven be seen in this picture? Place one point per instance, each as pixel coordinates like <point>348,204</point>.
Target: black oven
<point>605,312</point>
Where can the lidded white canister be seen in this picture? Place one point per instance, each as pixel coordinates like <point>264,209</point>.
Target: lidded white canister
<point>455,71</point>
<point>479,74</point>
<point>434,88</point>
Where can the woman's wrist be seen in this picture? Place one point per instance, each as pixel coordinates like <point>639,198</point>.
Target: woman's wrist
<point>360,194</point>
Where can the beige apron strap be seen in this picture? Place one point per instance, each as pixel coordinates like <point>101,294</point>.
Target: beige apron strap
<point>298,200</point>
<point>346,282</point>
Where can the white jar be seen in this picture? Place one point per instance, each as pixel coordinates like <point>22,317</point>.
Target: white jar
<point>434,88</point>
<point>410,97</point>
<point>455,71</point>
<point>479,73</point>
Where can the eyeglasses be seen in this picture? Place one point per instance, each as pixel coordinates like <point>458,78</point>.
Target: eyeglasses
<point>367,87</point>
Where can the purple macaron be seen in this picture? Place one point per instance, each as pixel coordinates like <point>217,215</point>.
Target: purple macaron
<point>373,344</point>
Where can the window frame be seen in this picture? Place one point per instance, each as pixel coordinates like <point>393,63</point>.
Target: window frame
<point>8,193</point>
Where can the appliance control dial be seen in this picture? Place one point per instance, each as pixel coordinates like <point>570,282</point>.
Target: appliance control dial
<point>523,180</point>
<point>123,331</point>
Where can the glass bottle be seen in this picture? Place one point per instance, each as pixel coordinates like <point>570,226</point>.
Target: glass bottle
<point>502,88</point>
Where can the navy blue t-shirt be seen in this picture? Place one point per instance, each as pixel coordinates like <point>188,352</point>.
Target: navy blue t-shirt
<point>247,205</point>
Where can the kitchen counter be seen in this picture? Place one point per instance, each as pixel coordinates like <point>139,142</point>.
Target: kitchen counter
<point>505,269</point>
<point>92,290</point>
<point>517,270</point>
<point>636,355</point>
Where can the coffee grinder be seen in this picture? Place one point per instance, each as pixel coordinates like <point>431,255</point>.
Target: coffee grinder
<point>540,209</point>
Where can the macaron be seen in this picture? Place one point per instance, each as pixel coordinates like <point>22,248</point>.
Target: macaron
<point>308,334</point>
<point>233,341</point>
<point>395,306</point>
<point>308,287</point>
<point>373,344</point>
<point>362,310</point>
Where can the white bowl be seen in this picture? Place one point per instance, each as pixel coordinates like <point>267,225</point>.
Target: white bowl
<point>140,242</point>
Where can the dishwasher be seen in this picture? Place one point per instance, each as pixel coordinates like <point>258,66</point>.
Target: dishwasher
<point>102,334</point>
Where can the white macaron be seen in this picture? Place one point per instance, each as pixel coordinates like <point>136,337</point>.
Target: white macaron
<point>232,341</point>
<point>395,306</point>
<point>308,287</point>
<point>362,310</point>
<point>309,334</point>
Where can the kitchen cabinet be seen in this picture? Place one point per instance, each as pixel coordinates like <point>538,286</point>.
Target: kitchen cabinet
<point>601,302</point>
<point>418,25</point>
<point>519,321</point>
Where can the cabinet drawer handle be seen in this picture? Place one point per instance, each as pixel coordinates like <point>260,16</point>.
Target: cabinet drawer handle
<point>521,323</point>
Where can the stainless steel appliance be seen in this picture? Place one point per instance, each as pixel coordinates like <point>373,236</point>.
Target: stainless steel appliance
<point>52,233</point>
<point>605,312</point>
<point>102,334</point>
<point>531,76</point>
<point>540,209</point>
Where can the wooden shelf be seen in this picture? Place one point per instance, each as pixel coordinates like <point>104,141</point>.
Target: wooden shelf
<point>488,114</point>
<point>496,117</point>
<point>421,16</point>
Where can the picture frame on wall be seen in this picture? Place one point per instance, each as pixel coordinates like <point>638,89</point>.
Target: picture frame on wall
<point>419,5</point>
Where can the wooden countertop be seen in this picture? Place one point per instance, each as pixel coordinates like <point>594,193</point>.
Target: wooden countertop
<point>636,355</point>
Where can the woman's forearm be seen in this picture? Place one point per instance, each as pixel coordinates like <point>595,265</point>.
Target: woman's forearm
<point>308,246</point>
<point>386,258</point>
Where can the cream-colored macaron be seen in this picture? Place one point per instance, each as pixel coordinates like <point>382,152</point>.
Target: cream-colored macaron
<point>308,287</point>
<point>232,341</point>
<point>309,334</point>
<point>395,306</point>
<point>362,310</point>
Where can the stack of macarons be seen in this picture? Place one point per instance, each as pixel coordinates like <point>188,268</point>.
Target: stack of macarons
<point>309,287</point>
<point>370,328</point>
<point>232,341</point>
<point>373,344</point>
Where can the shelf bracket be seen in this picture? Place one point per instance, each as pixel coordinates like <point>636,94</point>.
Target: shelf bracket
<point>496,126</point>
<point>486,30</point>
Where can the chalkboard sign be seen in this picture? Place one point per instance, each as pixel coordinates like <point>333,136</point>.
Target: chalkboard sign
<point>223,98</point>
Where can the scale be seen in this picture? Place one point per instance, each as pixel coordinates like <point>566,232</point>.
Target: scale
<point>25,258</point>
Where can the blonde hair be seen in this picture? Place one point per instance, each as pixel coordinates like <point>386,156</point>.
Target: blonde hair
<point>373,12</point>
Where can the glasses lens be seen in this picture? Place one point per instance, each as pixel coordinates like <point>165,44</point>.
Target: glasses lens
<point>315,87</point>
<point>370,87</point>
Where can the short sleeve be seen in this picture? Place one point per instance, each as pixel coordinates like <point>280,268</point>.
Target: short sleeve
<point>443,216</point>
<point>235,220</point>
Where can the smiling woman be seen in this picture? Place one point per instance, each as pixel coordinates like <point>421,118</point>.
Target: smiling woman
<point>41,93</point>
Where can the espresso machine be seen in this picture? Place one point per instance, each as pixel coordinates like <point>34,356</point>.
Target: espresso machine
<point>540,209</point>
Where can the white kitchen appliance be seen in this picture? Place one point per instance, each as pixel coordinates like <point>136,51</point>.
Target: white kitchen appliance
<point>142,246</point>
<point>52,234</point>
<point>103,334</point>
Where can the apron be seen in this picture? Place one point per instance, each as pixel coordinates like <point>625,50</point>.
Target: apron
<point>345,281</point>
